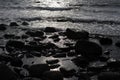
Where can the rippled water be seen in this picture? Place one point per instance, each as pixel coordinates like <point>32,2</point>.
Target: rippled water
<point>95,16</point>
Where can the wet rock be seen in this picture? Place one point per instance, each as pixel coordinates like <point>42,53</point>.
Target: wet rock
<point>13,24</point>
<point>37,70</point>
<point>37,54</point>
<point>109,76</point>
<point>56,39</point>
<point>11,45</point>
<point>25,23</point>
<point>80,62</point>
<point>53,66</point>
<point>16,62</point>
<point>54,36</point>
<point>9,36</point>
<point>6,73</point>
<point>67,72</point>
<point>53,75</point>
<point>71,34</point>
<point>106,41</point>
<point>90,50</point>
<point>117,44</point>
<point>50,29</point>
<point>53,61</point>
<point>35,33</point>
<point>3,27</point>
<point>59,55</point>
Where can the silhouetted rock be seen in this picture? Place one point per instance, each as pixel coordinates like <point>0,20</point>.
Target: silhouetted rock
<point>59,55</point>
<point>53,75</point>
<point>6,73</point>
<point>37,70</point>
<point>117,44</point>
<point>3,27</point>
<point>16,62</point>
<point>80,62</point>
<point>13,24</point>
<point>53,61</point>
<point>35,33</point>
<point>113,64</point>
<point>90,50</point>
<point>14,44</point>
<point>53,66</point>
<point>50,29</point>
<point>109,76</point>
<point>25,23</point>
<point>71,34</point>
<point>67,72</point>
<point>106,41</point>
<point>9,36</point>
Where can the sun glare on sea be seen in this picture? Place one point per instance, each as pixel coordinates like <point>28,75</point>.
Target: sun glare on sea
<point>54,3</point>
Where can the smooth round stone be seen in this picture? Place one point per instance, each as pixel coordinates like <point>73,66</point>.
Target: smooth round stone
<point>89,50</point>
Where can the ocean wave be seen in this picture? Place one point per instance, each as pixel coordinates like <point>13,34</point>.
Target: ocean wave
<point>39,8</point>
<point>72,20</point>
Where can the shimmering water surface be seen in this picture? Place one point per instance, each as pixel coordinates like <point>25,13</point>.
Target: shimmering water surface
<point>95,16</point>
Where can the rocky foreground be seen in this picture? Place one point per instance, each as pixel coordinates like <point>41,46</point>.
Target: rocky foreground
<point>21,47</point>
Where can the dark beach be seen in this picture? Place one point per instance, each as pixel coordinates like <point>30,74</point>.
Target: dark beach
<point>59,40</point>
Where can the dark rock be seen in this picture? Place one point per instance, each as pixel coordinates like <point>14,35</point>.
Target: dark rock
<point>53,61</point>
<point>37,70</point>
<point>11,45</point>
<point>25,23</point>
<point>71,34</point>
<point>53,75</point>
<point>67,72</point>
<point>107,52</point>
<point>90,50</point>
<point>4,57</point>
<point>16,62</point>
<point>113,64</point>
<point>50,46</point>
<point>80,62</point>
<point>3,27</point>
<point>71,54</point>
<point>96,68</point>
<point>13,24</point>
<point>6,73</point>
<point>53,66</point>
<point>104,58</point>
<point>37,54</point>
<point>54,36</point>
<point>56,39</point>
<point>106,41</point>
<point>109,76</point>
<point>50,29</point>
<point>117,44</point>
<point>9,36</point>
<point>16,37</point>
<point>59,55</point>
<point>35,33</point>
<point>24,36</point>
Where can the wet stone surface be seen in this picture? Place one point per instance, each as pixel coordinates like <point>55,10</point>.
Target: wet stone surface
<point>52,54</point>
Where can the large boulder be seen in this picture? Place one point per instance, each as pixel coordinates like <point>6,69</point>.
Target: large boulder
<point>6,73</point>
<point>37,70</point>
<point>35,33</point>
<point>89,50</point>
<point>71,34</point>
<point>109,76</point>
<point>12,45</point>
<point>50,29</point>
<point>53,75</point>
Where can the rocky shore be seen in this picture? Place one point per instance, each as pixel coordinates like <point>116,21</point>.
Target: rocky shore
<point>55,54</point>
